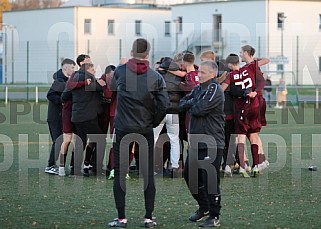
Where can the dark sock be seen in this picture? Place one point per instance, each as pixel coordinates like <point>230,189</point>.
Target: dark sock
<point>255,154</point>
<point>261,158</point>
<point>241,151</point>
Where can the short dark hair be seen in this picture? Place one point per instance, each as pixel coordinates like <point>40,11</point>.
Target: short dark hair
<point>166,58</point>
<point>249,49</point>
<point>109,68</point>
<point>232,59</point>
<point>141,48</point>
<point>189,57</point>
<point>67,61</point>
<point>81,58</point>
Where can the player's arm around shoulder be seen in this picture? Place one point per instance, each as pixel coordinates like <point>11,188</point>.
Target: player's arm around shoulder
<point>262,61</point>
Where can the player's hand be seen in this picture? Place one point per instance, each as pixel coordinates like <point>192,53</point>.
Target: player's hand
<point>252,94</point>
<point>101,82</point>
<point>88,81</point>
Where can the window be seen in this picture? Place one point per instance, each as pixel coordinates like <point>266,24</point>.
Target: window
<point>167,28</point>
<point>87,26</point>
<point>281,18</point>
<point>217,21</point>
<point>279,67</point>
<point>110,27</point>
<point>138,27</point>
<point>319,63</point>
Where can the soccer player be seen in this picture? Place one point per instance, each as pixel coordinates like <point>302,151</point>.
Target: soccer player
<point>242,83</point>
<point>247,55</point>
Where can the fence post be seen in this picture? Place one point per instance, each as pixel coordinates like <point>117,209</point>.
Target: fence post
<point>259,46</point>
<point>27,70</point>
<point>6,95</point>
<point>37,95</point>
<point>153,51</point>
<point>120,47</point>
<point>297,60</point>
<point>317,97</point>
<point>57,67</point>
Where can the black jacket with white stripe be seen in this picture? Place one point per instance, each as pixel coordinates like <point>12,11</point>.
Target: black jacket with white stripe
<point>205,105</point>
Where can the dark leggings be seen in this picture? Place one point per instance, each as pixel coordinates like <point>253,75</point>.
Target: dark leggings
<point>207,196</point>
<point>146,158</point>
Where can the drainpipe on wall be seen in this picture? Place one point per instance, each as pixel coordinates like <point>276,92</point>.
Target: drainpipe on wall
<point>76,32</point>
<point>268,32</point>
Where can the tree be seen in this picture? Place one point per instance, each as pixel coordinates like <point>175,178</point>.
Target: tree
<point>35,4</point>
<point>4,6</point>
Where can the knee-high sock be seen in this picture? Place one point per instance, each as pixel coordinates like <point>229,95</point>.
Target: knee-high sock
<point>241,151</point>
<point>261,158</point>
<point>255,154</point>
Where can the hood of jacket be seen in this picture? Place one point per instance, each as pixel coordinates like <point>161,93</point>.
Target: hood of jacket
<point>60,76</point>
<point>138,66</point>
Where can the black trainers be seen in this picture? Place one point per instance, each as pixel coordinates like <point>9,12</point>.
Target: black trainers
<point>149,223</point>
<point>211,222</point>
<point>52,170</point>
<point>117,223</point>
<point>198,215</point>
<point>85,172</point>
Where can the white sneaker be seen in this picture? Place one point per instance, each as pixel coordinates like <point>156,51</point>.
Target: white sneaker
<point>62,171</point>
<point>264,165</point>
<point>243,172</point>
<point>247,168</point>
<point>227,171</point>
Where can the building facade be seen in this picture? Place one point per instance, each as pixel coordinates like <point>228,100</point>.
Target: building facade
<point>288,32</point>
<point>42,38</point>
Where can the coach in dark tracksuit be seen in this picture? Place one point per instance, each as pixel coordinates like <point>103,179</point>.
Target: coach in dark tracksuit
<point>142,101</point>
<point>54,117</point>
<point>205,105</point>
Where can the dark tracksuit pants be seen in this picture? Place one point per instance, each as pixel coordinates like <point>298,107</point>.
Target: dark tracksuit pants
<point>82,130</point>
<point>146,168</point>
<point>208,199</point>
<point>55,129</point>
<point>230,146</point>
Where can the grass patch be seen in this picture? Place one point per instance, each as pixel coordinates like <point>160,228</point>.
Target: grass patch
<point>285,196</point>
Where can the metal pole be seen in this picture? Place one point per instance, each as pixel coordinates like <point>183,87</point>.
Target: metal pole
<point>153,52</point>
<point>5,55</point>
<point>12,50</point>
<point>176,41</point>
<point>120,47</point>
<point>317,97</point>
<point>27,70</point>
<point>37,95</point>
<point>259,47</point>
<point>57,67</point>
<point>282,73</point>
<point>297,60</point>
<point>222,48</point>
<point>6,95</point>
<point>176,34</point>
